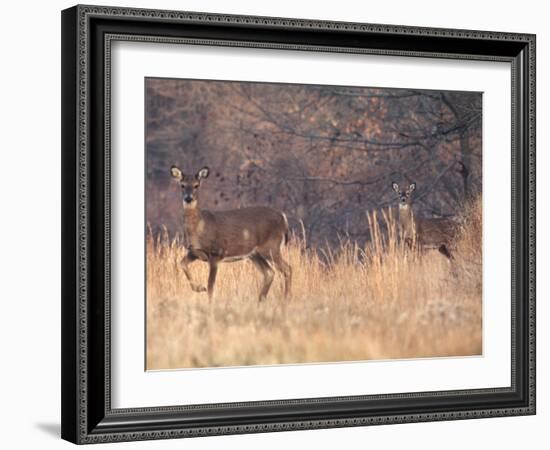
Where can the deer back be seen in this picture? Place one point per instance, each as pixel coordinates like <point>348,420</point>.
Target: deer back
<point>436,231</point>
<point>238,233</point>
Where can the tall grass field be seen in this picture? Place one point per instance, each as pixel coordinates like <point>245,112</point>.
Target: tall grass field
<point>382,301</point>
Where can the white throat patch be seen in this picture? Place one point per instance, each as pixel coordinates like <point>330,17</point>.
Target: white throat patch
<point>191,205</point>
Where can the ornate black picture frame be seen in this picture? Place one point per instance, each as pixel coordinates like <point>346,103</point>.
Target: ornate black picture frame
<point>87,34</point>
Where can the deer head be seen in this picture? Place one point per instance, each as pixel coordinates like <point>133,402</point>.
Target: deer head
<point>189,184</point>
<point>404,195</point>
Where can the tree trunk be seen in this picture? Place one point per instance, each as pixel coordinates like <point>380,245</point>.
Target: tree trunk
<point>466,161</point>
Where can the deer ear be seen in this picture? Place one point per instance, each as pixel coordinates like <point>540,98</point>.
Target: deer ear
<point>203,173</point>
<point>395,186</point>
<point>412,187</point>
<point>176,173</point>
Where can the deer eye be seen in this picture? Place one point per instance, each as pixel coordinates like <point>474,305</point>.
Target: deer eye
<point>196,185</point>
<point>183,186</point>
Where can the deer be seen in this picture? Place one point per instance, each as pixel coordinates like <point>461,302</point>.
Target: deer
<point>255,233</point>
<point>432,233</point>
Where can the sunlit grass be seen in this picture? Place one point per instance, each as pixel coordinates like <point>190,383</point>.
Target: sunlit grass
<point>382,301</point>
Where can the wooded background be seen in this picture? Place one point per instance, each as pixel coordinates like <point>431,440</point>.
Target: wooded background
<point>323,154</point>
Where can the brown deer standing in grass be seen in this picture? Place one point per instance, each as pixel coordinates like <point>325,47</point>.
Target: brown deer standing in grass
<point>433,233</point>
<point>257,233</point>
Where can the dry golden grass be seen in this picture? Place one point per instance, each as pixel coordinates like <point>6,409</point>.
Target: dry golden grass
<point>379,302</point>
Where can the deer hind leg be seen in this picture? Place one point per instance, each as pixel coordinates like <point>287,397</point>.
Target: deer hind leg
<point>212,278</point>
<point>282,266</point>
<point>185,262</point>
<point>263,266</point>
<point>444,250</point>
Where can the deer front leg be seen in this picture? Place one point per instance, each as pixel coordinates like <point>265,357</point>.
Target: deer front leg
<point>283,267</point>
<point>212,277</point>
<point>188,259</point>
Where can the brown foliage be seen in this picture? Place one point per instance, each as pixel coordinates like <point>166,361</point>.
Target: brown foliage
<point>322,154</point>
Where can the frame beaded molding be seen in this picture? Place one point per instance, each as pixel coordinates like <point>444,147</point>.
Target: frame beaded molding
<point>84,13</point>
<point>301,425</point>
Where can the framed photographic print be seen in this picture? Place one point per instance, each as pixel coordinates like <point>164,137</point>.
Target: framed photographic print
<point>281,224</point>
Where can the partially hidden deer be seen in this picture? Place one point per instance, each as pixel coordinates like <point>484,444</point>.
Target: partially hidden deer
<point>254,233</point>
<point>426,233</point>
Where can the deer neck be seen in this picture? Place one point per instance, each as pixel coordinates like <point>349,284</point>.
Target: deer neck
<point>193,222</point>
<point>406,216</point>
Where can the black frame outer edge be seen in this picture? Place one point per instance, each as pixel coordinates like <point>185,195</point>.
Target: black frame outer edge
<point>69,294</point>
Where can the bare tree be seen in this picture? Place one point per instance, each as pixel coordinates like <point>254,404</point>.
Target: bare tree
<point>323,154</point>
